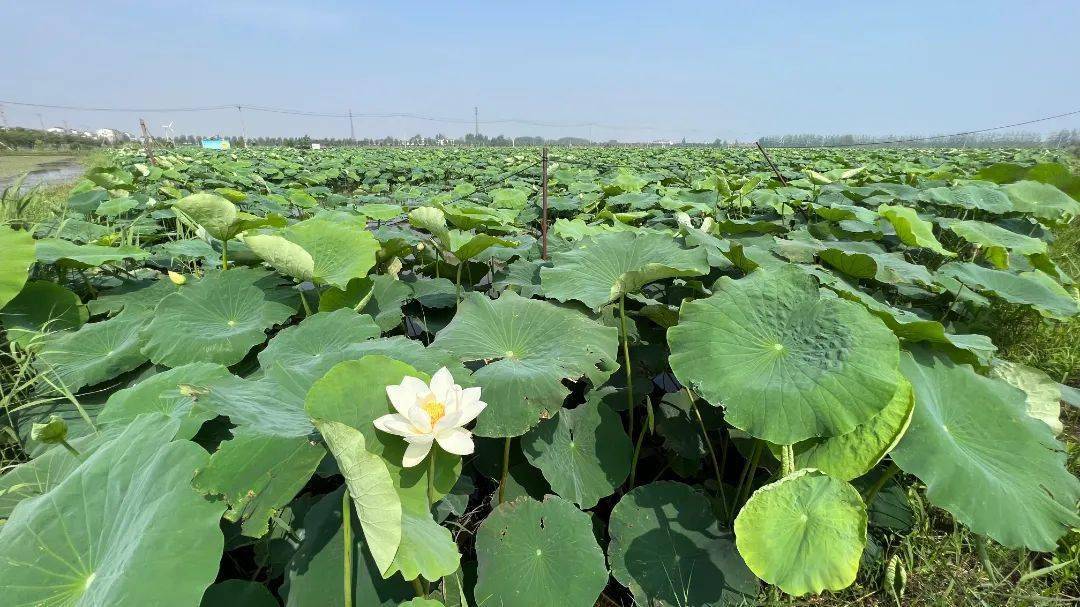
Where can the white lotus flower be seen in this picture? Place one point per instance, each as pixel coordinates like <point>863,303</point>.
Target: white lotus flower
<point>434,413</point>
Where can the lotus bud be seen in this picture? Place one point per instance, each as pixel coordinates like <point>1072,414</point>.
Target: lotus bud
<point>177,278</point>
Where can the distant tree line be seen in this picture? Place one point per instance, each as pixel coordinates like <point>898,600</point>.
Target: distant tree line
<point>1060,139</point>
<point>20,138</point>
<point>416,140</point>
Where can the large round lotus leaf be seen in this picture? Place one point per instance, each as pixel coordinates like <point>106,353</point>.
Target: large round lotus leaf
<point>353,393</point>
<point>214,213</point>
<point>315,574</point>
<point>530,347</point>
<point>379,296</point>
<point>418,602</point>
<point>804,533</point>
<point>18,248</point>
<point>215,320</point>
<point>785,362</point>
<point>532,553</point>
<point>173,392</point>
<point>584,452</point>
<point>341,251</point>
<point>971,197</point>
<point>123,529</point>
<point>996,241</point>
<point>1035,289</point>
<point>53,250</point>
<point>238,593</point>
<point>602,268</point>
<point>96,352</point>
<point>983,458</point>
<point>913,230</point>
<point>1043,393</point>
<point>305,348</point>
<point>42,307</point>
<point>1042,200</point>
<point>669,550</point>
<point>47,470</point>
<point>851,455</point>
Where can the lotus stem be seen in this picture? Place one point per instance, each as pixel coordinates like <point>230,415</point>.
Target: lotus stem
<point>346,525</point>
<point>457,283</point>
<point>71,450</point>
<point>746,482</point>
<point>505,470</point>
<point>303,300</point>
<point>879,484</point>
<point>431,477</point>
<point>418,588</point>
<point>225,254</point>
<point>626,366</point>
<point>709,445</point>
<point>984,558</point>
<point>787,460</point>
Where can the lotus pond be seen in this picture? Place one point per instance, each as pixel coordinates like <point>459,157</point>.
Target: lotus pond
<point>368,376</point>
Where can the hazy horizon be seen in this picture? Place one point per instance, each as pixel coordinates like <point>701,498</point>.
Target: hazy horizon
<point>693,70</point>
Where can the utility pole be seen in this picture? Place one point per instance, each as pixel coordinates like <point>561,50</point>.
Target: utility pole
<point>243,128</point>
<point>3,116</point>
<point>476,121</point>
<point>41,121</point>
<point>544,189</point>
<point>352,131</point>
<point>146,142</point>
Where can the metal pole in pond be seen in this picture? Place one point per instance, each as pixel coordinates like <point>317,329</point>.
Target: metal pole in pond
<point>769,160</point>
<point>146,142</point>
<point>543,187</point>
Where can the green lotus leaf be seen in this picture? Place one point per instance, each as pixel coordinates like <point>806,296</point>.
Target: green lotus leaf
<point>379,211</point>
<point>913,230</point>
<point>96,538</point>
<point>234,593</point>
<point>1035,289</point>
<point>314,575</point>
<point>532,553</point>
<point>47,470</point>
<point>866,260</point>
<point>983,458</point>
<point>852,455</point>
<point>804,533</point>
<point>418,602</point>
<point>174,392</point>
<point>372,490</point>
<point>379,296</point>
<point>577,229</point>
<point>668,548</point>
<point>600,269</point>
<point>258,474</point>
<point>219,319</point>
<point>970,197</point>
<point>433,220</point>
<point>19,255</point>
<point>785,363</point>
<point>116,207</point>
<point>530,346</point>
<point>1043,393</point>
<point>353,393</point>
<point>970,348</point>
<point>996,241</point>
<point>467,245</point>
<point>214,213</point>
<point>96,352</point>
<point>584,452</point>
<point>341,251</point>
<point>1042,200</point>
<point>306,349</point>
<point>283,255</point>
<point>54,250</point>
<point>42,307</point>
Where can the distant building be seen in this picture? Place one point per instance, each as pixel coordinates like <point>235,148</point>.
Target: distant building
<point>316,146</point>
<point>215,144</point>
<point>111,135</point>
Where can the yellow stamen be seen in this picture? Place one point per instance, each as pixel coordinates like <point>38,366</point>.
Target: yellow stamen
<point>434,408</point>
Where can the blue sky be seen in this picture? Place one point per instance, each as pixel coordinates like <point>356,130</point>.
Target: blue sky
<point>672,69</point>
